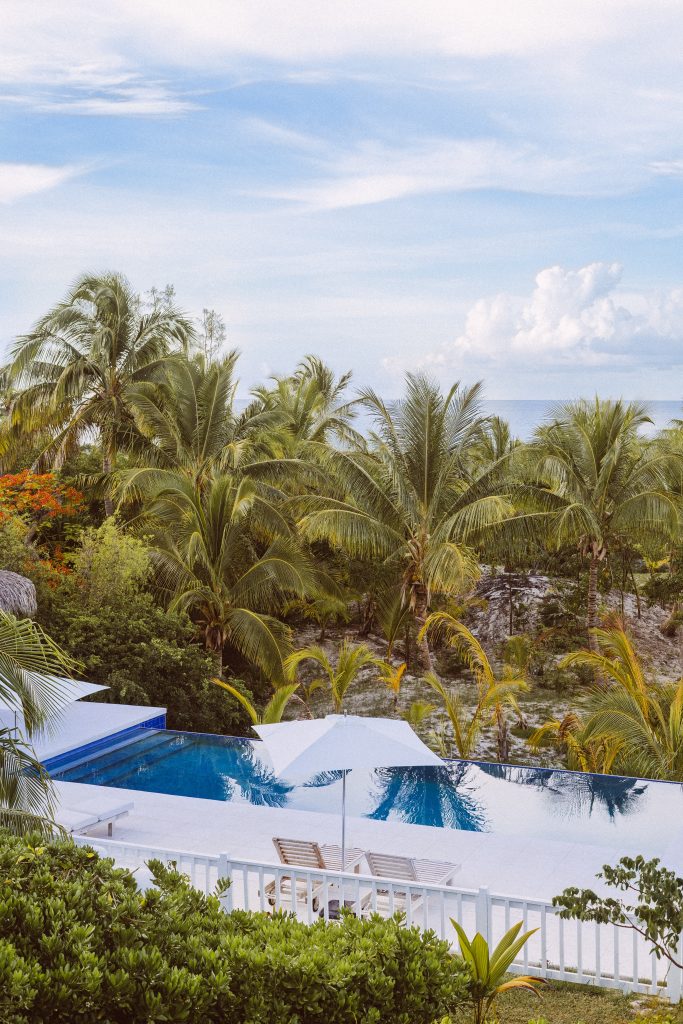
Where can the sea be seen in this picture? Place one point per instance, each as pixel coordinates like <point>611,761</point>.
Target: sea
<point>524,415</point>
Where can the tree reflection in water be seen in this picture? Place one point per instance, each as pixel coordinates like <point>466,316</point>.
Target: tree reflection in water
<point>255,781</point>
<point>441,797</point>
<point>323,779</point>
<point>577,793</point>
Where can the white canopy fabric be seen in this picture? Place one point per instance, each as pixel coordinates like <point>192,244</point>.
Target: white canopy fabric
<point>341,743</point>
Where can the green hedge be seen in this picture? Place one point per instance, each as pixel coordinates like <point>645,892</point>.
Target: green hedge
<point>80,944</point>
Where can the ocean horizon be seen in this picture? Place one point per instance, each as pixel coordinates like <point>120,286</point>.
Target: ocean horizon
<point>525,414</point>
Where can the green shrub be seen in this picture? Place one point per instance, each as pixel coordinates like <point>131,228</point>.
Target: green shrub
<point>79,943</point>
<point>146,656</point>
<point>111,566</point>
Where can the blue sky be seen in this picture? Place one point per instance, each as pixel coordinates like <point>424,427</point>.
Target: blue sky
<point>480,190</point>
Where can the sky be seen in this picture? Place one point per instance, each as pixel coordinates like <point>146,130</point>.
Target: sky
<point>486,190</point>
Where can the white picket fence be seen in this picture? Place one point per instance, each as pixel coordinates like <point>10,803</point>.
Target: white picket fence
<point>572,951</point>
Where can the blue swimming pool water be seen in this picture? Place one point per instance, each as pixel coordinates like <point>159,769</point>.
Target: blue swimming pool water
<point>535,802</point>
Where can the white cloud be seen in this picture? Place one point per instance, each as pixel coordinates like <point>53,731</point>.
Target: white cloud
<point>373,173</point>
<point>38,37</point>
<point>20,180</point>
<point>572,318</point>
<point>672,168</point>
<point>324,29</point>
<point>131,101</point>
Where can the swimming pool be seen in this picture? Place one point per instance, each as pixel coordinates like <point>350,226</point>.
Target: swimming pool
<point>534,802</point>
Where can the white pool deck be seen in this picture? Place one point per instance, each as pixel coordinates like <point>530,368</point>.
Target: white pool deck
<point>530,868</point>
<point>519,865</point>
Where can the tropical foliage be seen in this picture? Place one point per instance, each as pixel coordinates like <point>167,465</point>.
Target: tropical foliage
<point>633,726</point>
<point>316,547</point>
<point>415,500</point>
<point>29,701</point>
<point>337,678</point>
<point>73,372</point>
<point>652,906</point>
<point>495,694</point>
<point>210,563</point>
<point>273,710</point>
<point>487,969</point>
<point>599,485</point>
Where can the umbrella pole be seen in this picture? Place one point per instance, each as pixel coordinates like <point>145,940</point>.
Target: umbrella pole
<point>343,842</point>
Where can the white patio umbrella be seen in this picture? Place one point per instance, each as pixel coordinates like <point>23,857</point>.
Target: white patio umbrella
<point>301,749</point>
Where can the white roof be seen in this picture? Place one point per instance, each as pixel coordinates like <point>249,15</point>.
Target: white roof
<point>66,691</point>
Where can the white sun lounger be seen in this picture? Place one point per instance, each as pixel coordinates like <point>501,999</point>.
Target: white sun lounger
<point>91,812</point>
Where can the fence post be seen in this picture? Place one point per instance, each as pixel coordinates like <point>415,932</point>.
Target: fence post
<point>674,978</point>
<point>481,912</point>
<point>225,871</point>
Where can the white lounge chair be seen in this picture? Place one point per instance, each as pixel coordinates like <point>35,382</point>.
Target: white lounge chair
<point>398,869</point>
<point>305,854</point>
<point>90,812</point>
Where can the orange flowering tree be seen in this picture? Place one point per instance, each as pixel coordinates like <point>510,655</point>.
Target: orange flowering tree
<point>32,508</point>
<point>37,497</point>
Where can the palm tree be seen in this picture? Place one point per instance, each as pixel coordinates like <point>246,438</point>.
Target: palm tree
<point>640,722</point>
<point>583,754</point>
<point>351,659</point>
<point>495,693</point>
<point>599,485</point>
<point>416,501</point>
<point>188,418</point>
<point>225,554</point>
<point>392,677</point>
<point>312,407</point>
<point>495,443</point>
<point>29,663</point>
<point>76,368</point>
<point>273,710</point>
<point>486,970</point>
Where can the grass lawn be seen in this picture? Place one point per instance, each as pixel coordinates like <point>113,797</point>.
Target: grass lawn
<point>579,1004</point>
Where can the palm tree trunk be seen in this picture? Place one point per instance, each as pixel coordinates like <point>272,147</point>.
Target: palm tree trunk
<point>421,612</point>
<point>502,736</point>
<point>636,592</point>
<point>592,620</point>
<point>108,502</point>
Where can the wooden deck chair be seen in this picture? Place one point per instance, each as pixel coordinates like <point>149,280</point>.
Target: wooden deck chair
<point>405,869</point>
<point>304,853</point>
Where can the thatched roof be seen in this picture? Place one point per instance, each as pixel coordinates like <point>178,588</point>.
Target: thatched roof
<point>17,595</point>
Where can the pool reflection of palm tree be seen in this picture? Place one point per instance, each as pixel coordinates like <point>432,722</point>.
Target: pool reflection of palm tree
<point>323,779</point>
<point>428,796</point>
<point>255,780</point>
<point>581,791</point>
